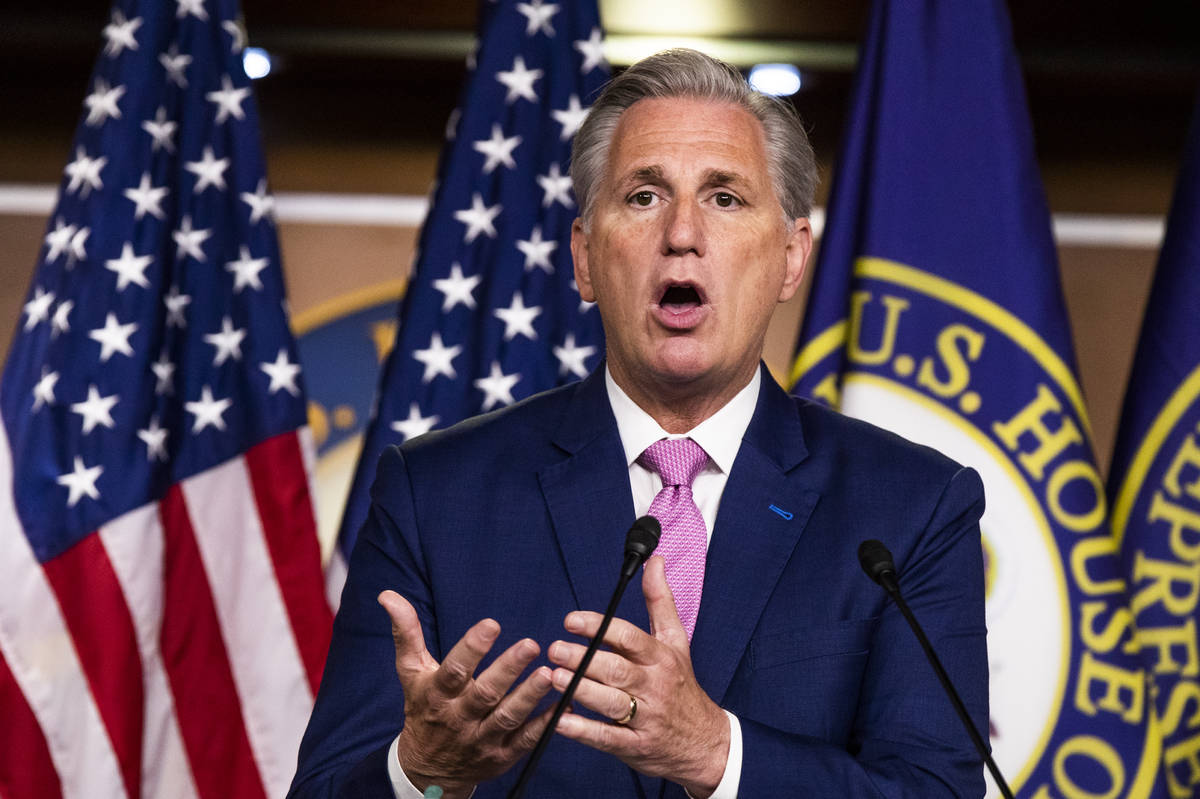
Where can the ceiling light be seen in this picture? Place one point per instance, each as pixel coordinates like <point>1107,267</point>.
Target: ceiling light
<point>256,62</point>
<point>780,80</point>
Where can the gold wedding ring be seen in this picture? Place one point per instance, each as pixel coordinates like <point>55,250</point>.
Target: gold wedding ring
<point>632,712</point>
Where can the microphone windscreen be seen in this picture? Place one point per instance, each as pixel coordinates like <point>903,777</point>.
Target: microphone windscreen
<point>875,559</point>
<point>643,537</point>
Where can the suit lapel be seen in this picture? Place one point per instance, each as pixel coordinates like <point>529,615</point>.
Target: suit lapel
<point>590,503</point>
<point>764,509</point>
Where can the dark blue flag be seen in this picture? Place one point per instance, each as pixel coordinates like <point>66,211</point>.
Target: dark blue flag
<point>491,314</point>
<point>1154,483</point>
<point>937,312</point>
<point>163,624</point>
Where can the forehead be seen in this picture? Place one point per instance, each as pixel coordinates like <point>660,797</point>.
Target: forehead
<point>684,134</point>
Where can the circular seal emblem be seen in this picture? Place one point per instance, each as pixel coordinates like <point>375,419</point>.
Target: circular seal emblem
<point>944,366</point>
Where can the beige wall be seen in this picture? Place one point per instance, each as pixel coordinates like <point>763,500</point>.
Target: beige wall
<point>1106,288</point>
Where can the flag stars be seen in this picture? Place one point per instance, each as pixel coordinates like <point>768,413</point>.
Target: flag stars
<point>120,34</point>
<point>537,17</point>
<point>228,342</point>
<point>175,63</point>
<point>176,303</point>
<point>188,241</point>
<point>519,81</point>
<point>518,320</point>
<point>84,173</point>
<point>81,482</point>
<point>537,252</point>
<point>113,337</point>
<point>415,425</point>
<point>193,8</point>
<point>245,270</point>
<point>438,358</point>
<point>556,187</point>
<point>457,288</point>
<point>237,34</point>
<point>161,130</point>
<point>58,240</point>
<point>76,250</point>
<point>38,309</point>
<point>60,323</point>
<point>130,268</point>
<point>102,103</point>
<point>43,390</point>
<point>147,199</point>
<point>592,49</point>
<point>570,117</point>
<point>155,439</point>
<point>229,100</point>
<point>209,171</point>
<point>572,358</point>
<point>262,204</point>
<point>164,375</point>
<point>497,387</point>
<point>498,150</point>
<point>208,411</point>
<point>95,410</point>
<point>478,218</point>
<point>283,374</point>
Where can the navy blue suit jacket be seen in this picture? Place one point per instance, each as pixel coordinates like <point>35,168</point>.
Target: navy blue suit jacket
<point>521,515</point>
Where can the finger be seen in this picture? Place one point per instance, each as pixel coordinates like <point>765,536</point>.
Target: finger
<point>660,603</point>
<point>411,655</point>
<point>623,637</point>
<point>514,709</point>
<point>612,738</point>
<point>606,667</point>
<point>606,700</point>
<point>493,683</point>
<point>461,661</point>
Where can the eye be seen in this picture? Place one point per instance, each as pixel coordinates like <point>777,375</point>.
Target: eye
<point>724,199</point>
<point>643,199</point>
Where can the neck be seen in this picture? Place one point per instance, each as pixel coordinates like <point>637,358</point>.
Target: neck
<point>680,407</point>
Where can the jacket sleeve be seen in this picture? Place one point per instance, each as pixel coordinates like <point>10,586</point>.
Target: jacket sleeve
<point>360,706</point>
<point>907,740</point>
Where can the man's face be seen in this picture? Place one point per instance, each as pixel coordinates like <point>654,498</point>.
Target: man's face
<point>688,250</point>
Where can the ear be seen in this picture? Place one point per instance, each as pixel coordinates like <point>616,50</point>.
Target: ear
<point>799,247</point>
<point>579,254</point>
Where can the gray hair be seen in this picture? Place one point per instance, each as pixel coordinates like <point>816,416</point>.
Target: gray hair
<point>694,75</point>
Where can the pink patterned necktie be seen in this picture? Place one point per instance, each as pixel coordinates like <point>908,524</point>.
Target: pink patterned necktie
<point>684,541</point>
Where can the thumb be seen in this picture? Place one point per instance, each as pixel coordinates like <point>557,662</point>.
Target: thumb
<point>660,602</point>
<point>411,655</point>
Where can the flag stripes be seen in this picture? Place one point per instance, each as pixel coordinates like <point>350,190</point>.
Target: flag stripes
<point>280,482</point>
<point>97,617</point>
<point>122,642</point>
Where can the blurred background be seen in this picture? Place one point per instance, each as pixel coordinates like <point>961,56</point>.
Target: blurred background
<point>355,103</point>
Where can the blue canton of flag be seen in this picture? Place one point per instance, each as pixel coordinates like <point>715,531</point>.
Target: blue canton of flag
<point>492,314</point>
<point>162,619</point>
<point>1154,483</point>
<point>937,312</point>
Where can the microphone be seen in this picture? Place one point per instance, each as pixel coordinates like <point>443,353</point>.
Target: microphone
<point>640,541</point>
<point>877,562</point>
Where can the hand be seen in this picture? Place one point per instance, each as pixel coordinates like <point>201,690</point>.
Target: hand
<point>460,730</point>
<point>677,732</point>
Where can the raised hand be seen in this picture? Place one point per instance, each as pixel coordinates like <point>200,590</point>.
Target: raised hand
<point>460,728</point>
<point>676,731</point>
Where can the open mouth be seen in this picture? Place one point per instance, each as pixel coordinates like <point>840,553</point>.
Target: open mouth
<point>680,298</point>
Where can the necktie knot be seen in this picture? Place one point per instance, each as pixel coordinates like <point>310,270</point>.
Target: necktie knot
<point>677,460</point>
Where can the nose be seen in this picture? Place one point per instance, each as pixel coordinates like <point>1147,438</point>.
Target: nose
<point>684,231</point>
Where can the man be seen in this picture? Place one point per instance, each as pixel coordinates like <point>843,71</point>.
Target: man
<point>783,671</point>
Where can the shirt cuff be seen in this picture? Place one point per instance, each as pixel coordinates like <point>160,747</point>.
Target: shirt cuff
<point>401,787</point>
<point>727,788</point>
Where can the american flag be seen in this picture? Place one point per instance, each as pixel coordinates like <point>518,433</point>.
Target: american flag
<point>163,624</point>
<point>492,313</point>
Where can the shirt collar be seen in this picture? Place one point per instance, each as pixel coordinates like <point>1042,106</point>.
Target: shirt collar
<point>720,434</point>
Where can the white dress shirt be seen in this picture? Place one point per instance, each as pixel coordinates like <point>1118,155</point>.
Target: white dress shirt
<point>721,437</point>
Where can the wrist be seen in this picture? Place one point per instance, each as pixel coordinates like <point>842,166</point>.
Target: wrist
<point>708,773</point>
<point>422,774</point>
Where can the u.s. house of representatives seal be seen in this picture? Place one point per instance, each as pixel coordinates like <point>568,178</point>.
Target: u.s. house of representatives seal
<point>944,366</point>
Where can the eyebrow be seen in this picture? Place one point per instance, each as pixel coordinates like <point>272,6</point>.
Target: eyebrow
<point>720,177</point>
